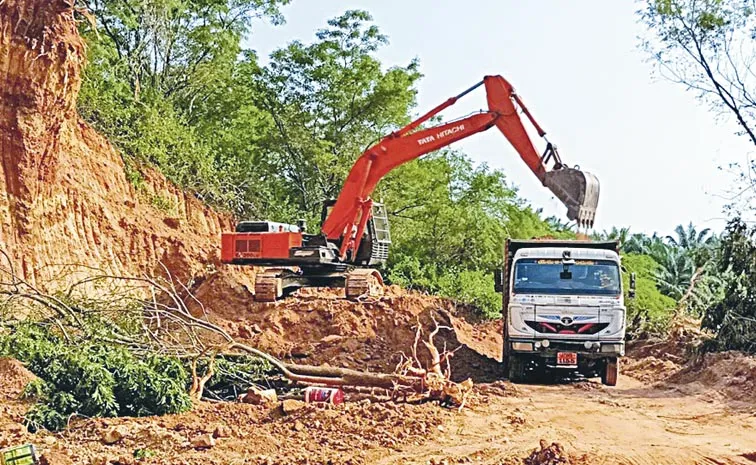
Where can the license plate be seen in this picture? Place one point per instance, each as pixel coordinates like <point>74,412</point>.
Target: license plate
<point>566,358</point>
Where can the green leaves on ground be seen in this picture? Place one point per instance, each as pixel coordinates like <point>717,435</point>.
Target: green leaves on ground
<point>97,379</point>
<point>93,379</point>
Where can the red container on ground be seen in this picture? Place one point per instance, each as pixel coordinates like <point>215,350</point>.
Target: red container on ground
<point>333,396</point>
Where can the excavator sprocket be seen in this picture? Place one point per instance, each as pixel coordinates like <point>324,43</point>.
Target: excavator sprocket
<point>268,286</point>
<point>363,282</point>
<point>578,190</point>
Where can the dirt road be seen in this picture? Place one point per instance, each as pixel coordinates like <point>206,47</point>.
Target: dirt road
<point>632,423</point>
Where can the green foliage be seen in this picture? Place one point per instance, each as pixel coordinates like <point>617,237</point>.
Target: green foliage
<point>684,262</point>
<point>93,379</point>
<point>475,287</point>
<point>675,271</point>
<point>708,48</point>
<point>233,375</point>
<point>168,82</point>
<point>162,203</point>
<point>449,221</point>
<point>650,310</point>
<point>734,317</point>
<point>140,454</point>
<point>329,100</point>
<point>161,83</point>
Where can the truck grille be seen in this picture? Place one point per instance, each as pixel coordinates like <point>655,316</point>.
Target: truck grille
<point>558,328</point>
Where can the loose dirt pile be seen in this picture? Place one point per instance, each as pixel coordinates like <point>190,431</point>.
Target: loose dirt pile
<point>676,360</point>
<point>241,433</point>
<point>13,378</point>
<point>320,327</point>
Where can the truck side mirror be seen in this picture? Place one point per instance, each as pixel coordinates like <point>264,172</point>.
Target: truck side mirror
<point>499,280</point>
<point>631,291</point>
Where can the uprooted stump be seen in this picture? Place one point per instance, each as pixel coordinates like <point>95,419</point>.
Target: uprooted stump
<point>436,376</point>
<point>553,454</point>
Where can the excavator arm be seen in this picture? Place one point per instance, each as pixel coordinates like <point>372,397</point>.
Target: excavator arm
<point>349,215</point>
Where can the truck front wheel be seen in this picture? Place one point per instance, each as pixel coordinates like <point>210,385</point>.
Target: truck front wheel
<point>610,373</point>
<point>516,369</point>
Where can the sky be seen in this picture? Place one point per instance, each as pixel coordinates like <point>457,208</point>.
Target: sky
<point>655,149</point>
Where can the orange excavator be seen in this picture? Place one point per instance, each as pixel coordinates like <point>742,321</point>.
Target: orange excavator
<point>355,237</point>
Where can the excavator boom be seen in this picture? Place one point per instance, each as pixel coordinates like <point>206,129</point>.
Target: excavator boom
<point>577,190</point>
<point>355,233</point>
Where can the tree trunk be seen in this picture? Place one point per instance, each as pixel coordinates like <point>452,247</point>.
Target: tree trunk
<point>697,275</point>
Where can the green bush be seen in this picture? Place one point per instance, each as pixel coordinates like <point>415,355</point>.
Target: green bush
<point>93,380</point>
<point>473,287</point>
<point>733,318</point>
<point>650,310</point>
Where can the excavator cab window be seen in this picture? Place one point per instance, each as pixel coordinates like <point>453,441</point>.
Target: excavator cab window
<point>381,224</point>
<point>327,207</point>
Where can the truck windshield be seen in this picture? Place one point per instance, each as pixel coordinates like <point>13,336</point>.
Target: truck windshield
<point>589,277</point>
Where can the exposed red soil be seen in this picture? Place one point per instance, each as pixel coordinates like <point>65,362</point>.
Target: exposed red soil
<point>321,327</point>
<point>676,360</point>
<point>64,194</point>
<point>500,425</point>
<point>13,378</point>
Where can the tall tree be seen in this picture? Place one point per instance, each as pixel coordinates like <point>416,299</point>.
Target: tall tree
<point>689,238</point>
<point>675,272</point>
<point>329,100</point>
<point>708,47</point>
<point>164,82</point>
<point>176,46</point>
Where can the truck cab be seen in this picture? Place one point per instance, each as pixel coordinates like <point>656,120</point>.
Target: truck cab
<point>563,308</point>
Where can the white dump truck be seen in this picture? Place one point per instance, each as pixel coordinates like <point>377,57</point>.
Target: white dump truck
<point>563,308</point>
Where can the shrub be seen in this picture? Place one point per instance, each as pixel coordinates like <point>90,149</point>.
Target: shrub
<point>734,317</point>
<point>650,310</point>
<point>93,379</point>
<point>233,375</point>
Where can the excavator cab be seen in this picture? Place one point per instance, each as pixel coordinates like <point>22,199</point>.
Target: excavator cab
<point>376,240</point>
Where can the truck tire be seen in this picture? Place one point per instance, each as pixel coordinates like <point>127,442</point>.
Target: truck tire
<point>610,373</point>
<point>516,369</point>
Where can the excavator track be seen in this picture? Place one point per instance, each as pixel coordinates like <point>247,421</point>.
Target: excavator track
<point>363,282</point>
<point>269,286</point>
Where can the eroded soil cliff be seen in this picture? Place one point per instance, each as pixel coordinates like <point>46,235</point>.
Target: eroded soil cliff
<point>64,195</point>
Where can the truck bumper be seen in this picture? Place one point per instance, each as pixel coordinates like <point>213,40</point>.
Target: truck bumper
<point>534,349</point>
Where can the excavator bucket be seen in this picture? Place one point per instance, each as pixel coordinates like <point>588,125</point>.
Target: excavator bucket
<point>578,190</point>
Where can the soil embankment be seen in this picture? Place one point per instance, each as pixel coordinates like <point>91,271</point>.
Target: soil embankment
<point>64,194</point>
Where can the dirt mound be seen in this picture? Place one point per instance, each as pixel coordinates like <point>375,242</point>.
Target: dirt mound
<point>13,378</point>
<point>732,374</point>
<point>649,369</point>
<point>676,361</point>
<point>321,327</point>
<point>553,454</point>
<point>342,434</point>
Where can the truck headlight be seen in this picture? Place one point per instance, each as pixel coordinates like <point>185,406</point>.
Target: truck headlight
<point>522,346</point>
<point>612,348</point>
